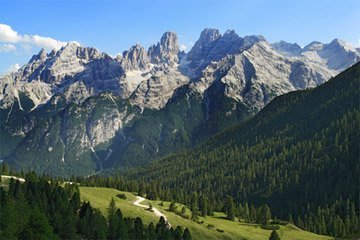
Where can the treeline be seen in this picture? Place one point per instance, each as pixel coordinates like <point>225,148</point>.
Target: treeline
<point>200,204</point>
<point>43,209</point>
<point>299,155</point>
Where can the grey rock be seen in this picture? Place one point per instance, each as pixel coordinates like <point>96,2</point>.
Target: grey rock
<point>166,51</point>
<point>289,49</point>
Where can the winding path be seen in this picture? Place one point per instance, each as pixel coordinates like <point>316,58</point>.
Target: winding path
<point>16,178</point>
<point>156,211</point>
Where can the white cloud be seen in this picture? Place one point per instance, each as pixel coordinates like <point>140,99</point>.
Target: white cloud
<point>7,47</point>
<point>182,47</point>
<point>12,68</point>
<point>48,43</point>
<point>8,35</point>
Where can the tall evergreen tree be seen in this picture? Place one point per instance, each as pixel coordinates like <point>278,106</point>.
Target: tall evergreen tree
<point>230,208</point>
<point>111,211</point>
<point>274,236</point>
<point>186,235</point>
<point>139,232</point>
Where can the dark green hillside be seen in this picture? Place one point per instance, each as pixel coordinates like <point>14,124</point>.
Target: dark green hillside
<point>55,137</point>
<point>300,155</point>
<point>186,120</point>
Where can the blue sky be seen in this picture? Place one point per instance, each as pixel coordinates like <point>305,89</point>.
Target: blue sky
<point>114,26</point>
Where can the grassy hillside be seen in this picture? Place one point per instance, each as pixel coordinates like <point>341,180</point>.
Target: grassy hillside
<point>100,198</point>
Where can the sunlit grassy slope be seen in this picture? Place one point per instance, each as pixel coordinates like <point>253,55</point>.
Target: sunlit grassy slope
<point>100,198</point>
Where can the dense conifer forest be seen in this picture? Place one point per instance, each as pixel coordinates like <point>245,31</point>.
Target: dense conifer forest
<point>41,208</point>
<point>299,155</point>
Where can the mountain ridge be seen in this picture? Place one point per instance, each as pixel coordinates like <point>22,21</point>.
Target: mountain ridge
<point>221,81</point>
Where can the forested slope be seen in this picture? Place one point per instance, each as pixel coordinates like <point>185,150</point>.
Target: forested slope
<point>300,155</point>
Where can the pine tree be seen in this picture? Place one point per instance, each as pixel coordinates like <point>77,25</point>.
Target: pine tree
<point>111,210</point>
<point>178,233</point>
<point>119,225</point>
<point>230,209</point>
<point>151,234</point>
<point>183,211</point>
<point>172,207</point>
<point>38,227</point>
<point>75,201</point>
<point>195,215</point>
<point>274,236</point>
<point>141,191</point>
<point>264,215</point>
<point>138,229</point>
<point>186,235</point>
<point>161,228</point>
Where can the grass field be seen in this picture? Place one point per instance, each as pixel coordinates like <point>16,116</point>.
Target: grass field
<point>100,198</point>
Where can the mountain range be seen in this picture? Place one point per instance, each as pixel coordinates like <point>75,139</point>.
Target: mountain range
<point>78,111</point>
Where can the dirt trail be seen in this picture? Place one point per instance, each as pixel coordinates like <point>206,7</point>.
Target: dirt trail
<point>156,211</point>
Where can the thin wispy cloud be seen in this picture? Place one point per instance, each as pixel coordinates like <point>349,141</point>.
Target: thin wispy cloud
<point>7,47</point>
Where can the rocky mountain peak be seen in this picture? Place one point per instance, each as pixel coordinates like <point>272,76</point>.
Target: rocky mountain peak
<point>169,42</point>
<point>135,58</point>
<point>40,56</point>
<point>230,34</point>
<point>289,49</point>
<point>338,43</point>
<point>203,45</point>
<point>339,55</point>
<point>247,41</point>
<point>166,51</point>
<point>209,35</point>
<point>313,46</point>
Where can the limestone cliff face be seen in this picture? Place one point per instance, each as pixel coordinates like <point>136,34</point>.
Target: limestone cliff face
<point>84,109</point>
<point>166,51</point>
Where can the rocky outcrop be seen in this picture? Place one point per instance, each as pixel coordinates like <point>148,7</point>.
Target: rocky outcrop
<point>289,49</point>
<point>80,105</point>
<point>337,55</point>
<point>166,51</point>
<point>150,78</point>
<point>135,59</point>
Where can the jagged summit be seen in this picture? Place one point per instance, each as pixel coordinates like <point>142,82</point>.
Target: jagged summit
<point>150,77</point>
<point>337,55</point>
<point>313,46</point>
<point>166,51</point>
<point>209,34</point>
<point>81,104</point>
<point>290,49</point>
<point>135,58</point>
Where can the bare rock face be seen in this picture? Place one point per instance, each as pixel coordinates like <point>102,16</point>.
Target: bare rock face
<point>337,55</point>
<point>166,51</point>
<point>104,128</point>
<point>288,49</point>
<point>212,47</point>
<point>150,78</point>
<point>135,59</point>
<point>202,46</point>
<point>155,91</point>
<point>75,104</point>
<point>258,74</point>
